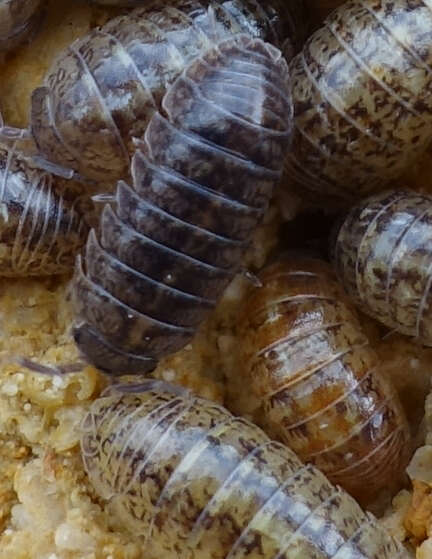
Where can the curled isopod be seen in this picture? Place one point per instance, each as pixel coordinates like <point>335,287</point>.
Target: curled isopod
<point>383,256</point>
<point>103,89</point>
<point>362,99</point>
<point>40,232</point>
<point>194,482</point>
<point>18,19</point>
<point>203,179</point>
<point>319,381</point>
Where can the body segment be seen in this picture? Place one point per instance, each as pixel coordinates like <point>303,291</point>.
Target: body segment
<point>18,19</point>
<point>102,90</point>
<point>195,481</point>
<point>362,103</point>
<point>203,179</point>
<point>383,257</point>
<point>40,232</point>
<point>319,381</point>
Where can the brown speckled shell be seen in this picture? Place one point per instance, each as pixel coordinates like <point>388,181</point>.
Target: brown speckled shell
<point>362,99</point>
<point>18,19</point>
<point>202,182</point>
<point>383,257</point>
<point>102,91</point>
<point>197,482</point>
<point>40,232</point>
<point>319,380</point>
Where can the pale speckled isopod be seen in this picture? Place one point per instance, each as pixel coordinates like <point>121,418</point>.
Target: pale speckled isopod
<point>18,19</point>
<point>40,232</point>
<point>197,482</point>
<point>103,89</point>
<point>203,179</point>
<point>362,99</point>
<point>322,392</point>
<point>383,256</point>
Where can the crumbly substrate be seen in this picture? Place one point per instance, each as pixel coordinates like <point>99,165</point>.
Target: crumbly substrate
<point>48,509</point>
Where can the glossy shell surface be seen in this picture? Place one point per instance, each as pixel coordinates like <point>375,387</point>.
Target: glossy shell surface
<point>40,232</point>
<point>362,99</point>
<point>183,473</point>
<point>18,19</point>
<point>319,380</point>
<point>103,89</point>
<point>383,257</point>
<point>203,179</point>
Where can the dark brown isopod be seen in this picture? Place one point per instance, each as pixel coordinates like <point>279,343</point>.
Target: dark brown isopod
<point>40,232</point>
<point>362,99</point>
<point>203,179</point>
<point>383,257</point>
<point>18,18</point>
<point>319,380</point>
<point>196,482</point>
<point>103,89</point>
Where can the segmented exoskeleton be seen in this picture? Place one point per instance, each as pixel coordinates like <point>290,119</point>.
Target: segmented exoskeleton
<point>195,481</point>
<point>202,182</point>
<point>319,380</point>
<point>18,19</point>
<point>362,98</point>
<point>40,232</point>
<point>383,257</point>
<point>102,91</point>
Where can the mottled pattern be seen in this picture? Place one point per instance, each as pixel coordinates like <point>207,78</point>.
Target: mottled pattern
<point>184,472</point>
<point>40,232</point>
<point>103,89</point>
<point>322,392</point>
<point>382,254</point>
<point>18,18</point>
<point>203,179</point>
<point>362,98</point>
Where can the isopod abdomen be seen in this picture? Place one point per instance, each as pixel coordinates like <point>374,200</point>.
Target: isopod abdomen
<point>202,182</point>
<point>319,380</point>
<point>362,99</point>
<point>40,232</point>
<point>103,89</point>
<point>18,19</point>
<point>195,481</point>
<point>383,256</point>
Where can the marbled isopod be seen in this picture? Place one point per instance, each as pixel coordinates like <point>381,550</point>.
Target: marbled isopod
<point>40,232</point>
<point>197,482</point>
<point>102,90</point>
<point>319,380</point>
<point>383,256</point>
<point>202,182</point>
<point>362,99</point>
<point>18,19</point>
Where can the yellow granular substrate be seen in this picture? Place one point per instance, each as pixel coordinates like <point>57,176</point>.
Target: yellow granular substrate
<point>48,510</point>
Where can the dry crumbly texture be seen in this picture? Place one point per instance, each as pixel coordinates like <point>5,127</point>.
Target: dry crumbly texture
<point>45,497</point>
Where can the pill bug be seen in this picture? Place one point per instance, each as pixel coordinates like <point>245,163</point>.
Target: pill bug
<point>382,255</point>
<point>18,19</point>
<point>362,103</point>
<point>203,178</point>
<point>322,392</point>
<point>102,90</point>
<point>40,232</point>
<point>195,481</point>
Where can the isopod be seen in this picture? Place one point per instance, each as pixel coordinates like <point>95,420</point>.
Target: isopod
<point>362,99</point>
<point>195,481</point>
<point>383,256</point>
<point>18,19</point>
<point>103,89</point>
<point>319,381</point>
<point>40,232</point>
<point>203,179</point>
